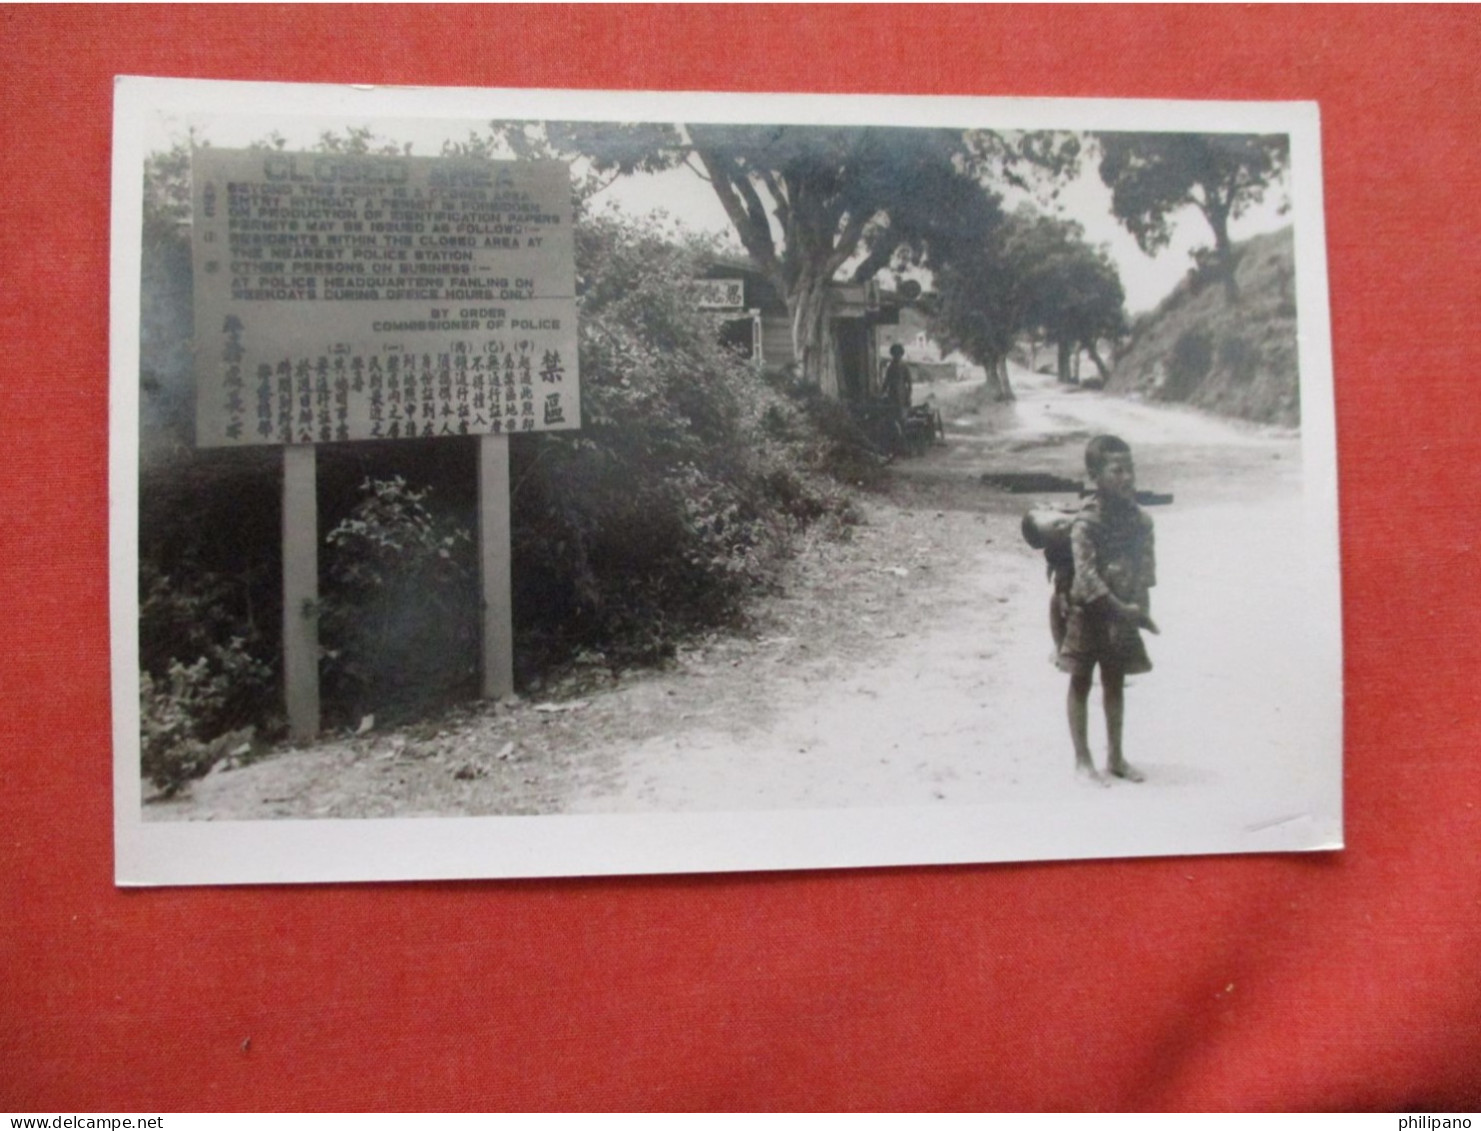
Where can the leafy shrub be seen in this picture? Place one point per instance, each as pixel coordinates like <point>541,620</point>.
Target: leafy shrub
<point>186,706</point>
<point>181,713</point>
<point>399,618</point>
<point>679,495</point>
<point>838,446</point>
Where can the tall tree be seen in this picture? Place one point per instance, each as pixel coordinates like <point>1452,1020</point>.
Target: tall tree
<point>1077,300</point>
<point>811,202</point>
<point>1154,176</point>
<point>1035,275</point>
<point>983,297</point>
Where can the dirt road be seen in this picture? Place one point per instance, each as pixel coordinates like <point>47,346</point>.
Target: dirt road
<point>964,705</point>
<point>909,665</point>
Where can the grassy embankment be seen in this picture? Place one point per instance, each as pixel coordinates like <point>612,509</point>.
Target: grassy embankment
<point>1232,355</point>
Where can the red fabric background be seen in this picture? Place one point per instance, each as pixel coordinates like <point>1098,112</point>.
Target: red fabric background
<point>1097,985</point>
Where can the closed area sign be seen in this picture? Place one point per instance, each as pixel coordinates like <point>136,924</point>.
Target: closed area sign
<point>356,297</point>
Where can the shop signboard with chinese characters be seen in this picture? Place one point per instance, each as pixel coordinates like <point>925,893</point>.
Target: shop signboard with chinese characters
<point>719,294</point>
<point>356,297</point>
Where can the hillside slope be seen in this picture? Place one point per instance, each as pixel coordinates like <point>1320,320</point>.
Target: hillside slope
<point>1235,358</point>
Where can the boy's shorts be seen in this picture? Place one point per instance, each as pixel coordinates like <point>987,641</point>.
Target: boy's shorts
<point>1091,637</point>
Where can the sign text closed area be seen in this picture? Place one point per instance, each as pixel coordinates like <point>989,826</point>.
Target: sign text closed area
<point>352,297</point>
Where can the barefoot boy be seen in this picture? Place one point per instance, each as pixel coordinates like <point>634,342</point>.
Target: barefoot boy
<point>1108,601</point>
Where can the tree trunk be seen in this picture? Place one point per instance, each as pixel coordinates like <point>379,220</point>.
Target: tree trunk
<point>1218,219</point>
<point>1100,365</point>
<point>812,336</point>
<point>998,385</point>
<point>1065,375</point>
<point>1227,263</point>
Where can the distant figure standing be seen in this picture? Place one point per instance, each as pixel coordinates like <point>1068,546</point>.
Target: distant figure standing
<point>897,396</point>
<point>1108,601</point>
<point>897,384</point>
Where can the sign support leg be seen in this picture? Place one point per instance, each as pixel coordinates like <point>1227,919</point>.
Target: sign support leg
<point>494,563</point>
<point>301,589</point>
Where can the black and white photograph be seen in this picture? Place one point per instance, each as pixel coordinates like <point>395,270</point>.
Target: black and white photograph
<point>522,483</point>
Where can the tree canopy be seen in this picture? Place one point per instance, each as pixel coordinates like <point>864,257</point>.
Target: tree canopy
<point>810,202</point>
<point>1076,297</point>
<point>1033,274</point>
<point>1154,176</point>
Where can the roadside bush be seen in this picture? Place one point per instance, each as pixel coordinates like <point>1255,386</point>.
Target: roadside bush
<point>399,616</point>
<point>187,707</point>
<point>679,496</point>
<point>837,446</point>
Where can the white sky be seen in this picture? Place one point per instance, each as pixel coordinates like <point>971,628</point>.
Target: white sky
<point>685,196</point>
